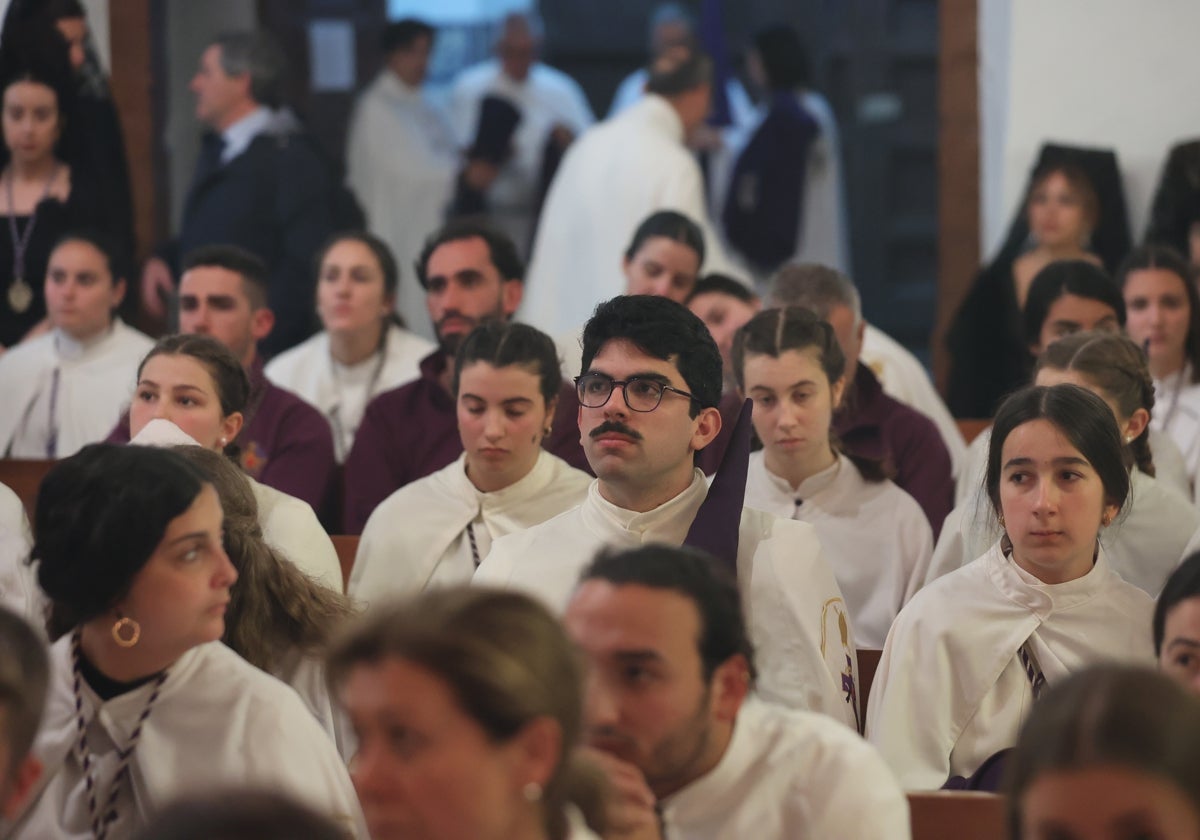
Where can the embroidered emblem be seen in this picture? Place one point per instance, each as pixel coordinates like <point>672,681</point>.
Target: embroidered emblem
<point>840,658</point>
<point>252,459</point>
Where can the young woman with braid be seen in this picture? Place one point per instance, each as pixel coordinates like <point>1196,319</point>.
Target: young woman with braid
<point>1149,539</point>
<point>145,702</point>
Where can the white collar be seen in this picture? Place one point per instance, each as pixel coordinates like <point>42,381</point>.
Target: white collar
<point>241,134</point>
<point>520,491</point>
<point>1044,599</point>
<point>657,110</point>
<point>669,522</point>
<point>72,349</point>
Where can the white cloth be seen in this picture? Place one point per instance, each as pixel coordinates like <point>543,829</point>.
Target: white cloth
<point>795,612</point>
<point>218,723</point>
<point>873,534</point>
<point>291,527</point>
<point>306,676</point>
<point>1144,544</point>
<point>903,377</point>
<point>950,690</point>
<point>787,775</point>
<point>546,98</point>
<point>417,537</point>
<point>95,383</point>
<point>1177,412</point>
<point>401,162</point>
<point>309,371</point>
<point>18,584</point>
<point>610,180</point>
<point>238,137</point>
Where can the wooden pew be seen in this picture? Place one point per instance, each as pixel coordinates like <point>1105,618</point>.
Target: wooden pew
<point>347,547</point>
<point>957,815</point>
<point>23,477</point>
<point>868,663</point>
<point>970,429</point>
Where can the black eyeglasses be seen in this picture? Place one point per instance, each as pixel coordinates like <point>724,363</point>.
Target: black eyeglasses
<point>640,394</point>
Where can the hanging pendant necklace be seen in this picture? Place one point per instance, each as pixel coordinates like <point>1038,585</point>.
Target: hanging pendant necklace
<point>20,293</point>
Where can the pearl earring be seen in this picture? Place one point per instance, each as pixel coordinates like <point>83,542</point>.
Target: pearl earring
<point>532,791</point>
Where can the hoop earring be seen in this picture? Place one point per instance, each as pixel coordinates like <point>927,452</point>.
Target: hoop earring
<point>125,623</point>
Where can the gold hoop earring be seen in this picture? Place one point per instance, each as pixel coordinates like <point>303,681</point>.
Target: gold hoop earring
<point>124,623</point>
<point>1001,518</point>
<point>1106,520</point>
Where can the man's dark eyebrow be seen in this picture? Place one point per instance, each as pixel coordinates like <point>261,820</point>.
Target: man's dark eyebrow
<point>633,656</point>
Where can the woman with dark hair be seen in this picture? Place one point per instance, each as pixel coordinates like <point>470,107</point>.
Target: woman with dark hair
<point>437,530</point>
<point>1164,319</point>
<point>1177,624</point>
<point>789,363</point>
<point>784,197</point>
<point>1148,540</point>
<point>972,651</point>
<point>989,352</point>
<point>488,692</point>
<point>1112,752</point>
<point>145,703</point>
<point>279,619</point>
<point>362,350</point>
<point>192,390</point>
<point>232,814</point>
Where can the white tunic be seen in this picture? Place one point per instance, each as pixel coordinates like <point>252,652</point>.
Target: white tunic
<point>787,775</point>
<point>610,180</point>
<point>401,162</point>
<point>218,722</point>
<point>951,691</point>
<point>291,527</point>
<point>417,537</point>
<point>341,393</point>
<point>795,612</point>
<point>18,583</point>
<point>1177,412</point>
<point>546,97</point>
<point>1144,544</point>
<point>873,534</point>
<point>903,377</point>
<point>94,384</point>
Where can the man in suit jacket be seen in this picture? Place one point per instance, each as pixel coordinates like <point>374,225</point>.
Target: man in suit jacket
<point>259,183</point>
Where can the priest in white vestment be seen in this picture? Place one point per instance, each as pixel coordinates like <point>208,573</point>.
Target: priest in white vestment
<point>641,444</point>
<point>552,105</point>
<point>716,761</point>
<point>402,158</point>
<point>67,387</point>
<point>611,179</point>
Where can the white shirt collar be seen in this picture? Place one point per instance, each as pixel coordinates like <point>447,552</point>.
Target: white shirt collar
<point>71,349</point>
<point>669,522</point>
<point>242,133</point>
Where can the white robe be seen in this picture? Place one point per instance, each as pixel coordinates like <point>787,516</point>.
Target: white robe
<point>547,97</point>
<point>95,383</point>
<point>1177,412</point>
<point>788,775</point>
<point>309,371</point>
<point>795,612</point>
<point>18,583</point>
<point>291,527</point>
<point>1144,544</point>
<point>903,377</point>
<point>401,162</point>
<point>417,537</point>
<point>873,534</point>
<point>219,722</point>
<point>950,690</point>
<point>610,180</point>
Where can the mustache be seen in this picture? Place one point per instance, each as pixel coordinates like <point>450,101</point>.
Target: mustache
<point>608,739</point>
<point>614,426</point>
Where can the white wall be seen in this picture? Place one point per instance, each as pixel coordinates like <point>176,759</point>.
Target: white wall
<point>1120,74</point>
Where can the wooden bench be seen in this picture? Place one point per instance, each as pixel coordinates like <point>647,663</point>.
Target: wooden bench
<point>957,815</point>
<point>970,429</point>
<point>24,477</point>
<point>868,664</point>
<point>347,547</point>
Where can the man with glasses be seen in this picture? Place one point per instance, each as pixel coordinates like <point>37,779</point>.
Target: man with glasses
<point>648,397</point>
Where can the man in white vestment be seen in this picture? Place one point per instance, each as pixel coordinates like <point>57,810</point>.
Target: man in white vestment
<point>66,388</point>
<point>401,157</point>
<point>670,715</point>
<point>552,107</point>
<point>611,179</point>
<point>24,676</point>
<point>641,443</point>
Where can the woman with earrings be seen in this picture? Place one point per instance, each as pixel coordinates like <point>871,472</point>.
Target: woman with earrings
<point>789,363</point>
<point>1164,320</point>
<point>145,702</point>
<point>1150,538</point>
<point>989,354</point>
<point>972,651</point>
<point>362,350</point>
<point>437,530</point>
<point>468,705</point>
<point>192,390</point>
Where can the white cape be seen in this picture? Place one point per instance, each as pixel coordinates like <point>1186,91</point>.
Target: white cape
<point>413,539</point>
<point>795,611</point>
<point>95,385</point>
<point>291,527</point>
